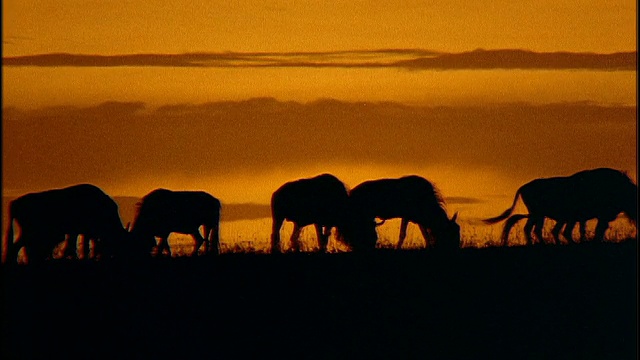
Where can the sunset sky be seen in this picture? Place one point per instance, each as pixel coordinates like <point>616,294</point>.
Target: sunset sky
<point>237,97</point>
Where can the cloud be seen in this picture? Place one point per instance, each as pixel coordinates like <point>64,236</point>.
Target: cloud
<point>460,200</point>
<point>10,40</point>
<point>411,59</point>
<point>522,59</point>
<point>119,142</point>
<point>108,109</point>
<point>234,212</point>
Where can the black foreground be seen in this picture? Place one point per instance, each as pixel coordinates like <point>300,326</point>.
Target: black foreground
<point>553,302</point>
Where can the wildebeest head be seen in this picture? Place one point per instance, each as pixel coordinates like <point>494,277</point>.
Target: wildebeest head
<point>447,233</point>
<point>140,236</point>
<point>360,233</point>
<point>139,243</point>
<point>112,245</point>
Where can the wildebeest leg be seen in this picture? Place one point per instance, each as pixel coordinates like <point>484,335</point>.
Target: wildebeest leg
<point>86,243</point>
<point>568,231</point>
<point>275,235</point>
<point>55,241</point>
<point>163,244</point>
<point>206,242</point>
<point>159,247</point>
<point>37,248</point>
<point>326,233</point>
<point>403,233</point>
<point>12,253</point>
<point>537,229</point>
<point>71,250</point>
<point>86,246</point>
<point>528,227</point>
<point>583,231</point>
<point>601,228</point>
<point>215,240</point>
<point>102,249</point>
<point>13,249</point>
<point>35,254</point>
<point>323,237</point>
<point>199,240</point>
<point>295,235</point>
<point>556,231</point>
<point>425,234</point>
<point>319,234</point>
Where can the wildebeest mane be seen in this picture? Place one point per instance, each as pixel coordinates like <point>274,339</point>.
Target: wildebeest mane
<point>438,196</point>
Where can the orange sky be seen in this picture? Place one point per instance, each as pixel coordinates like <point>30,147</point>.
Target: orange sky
<point>178,27</point>
<point>154,114</point>
<point>243,151</point>
<point>169,26</point>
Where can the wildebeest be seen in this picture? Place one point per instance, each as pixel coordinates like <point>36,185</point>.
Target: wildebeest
<point>46,218</point>
<point>411,198</point>
<point>601,193</point>
<point>321,201</point>
<point>162,212</point>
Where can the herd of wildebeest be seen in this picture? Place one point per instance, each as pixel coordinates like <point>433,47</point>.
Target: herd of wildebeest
<point>49,218</point>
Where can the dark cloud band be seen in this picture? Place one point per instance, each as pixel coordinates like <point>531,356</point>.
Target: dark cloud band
<point>126,141</point>
<point>412,59</point>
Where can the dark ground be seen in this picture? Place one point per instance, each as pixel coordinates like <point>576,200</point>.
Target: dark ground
<point>554,302</point>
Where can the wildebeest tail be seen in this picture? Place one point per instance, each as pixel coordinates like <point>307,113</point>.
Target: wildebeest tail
<point>506,213</point>
<point>509,224</point>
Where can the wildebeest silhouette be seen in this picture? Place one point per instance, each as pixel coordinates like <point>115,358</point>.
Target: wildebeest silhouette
<point>162,212</point>
<point>46,218</point>
<point>411,198</point>
<point>601,193</point>
<point>321,201</point>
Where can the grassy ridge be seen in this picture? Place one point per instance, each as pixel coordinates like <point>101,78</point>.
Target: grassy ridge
<point>518,302</point>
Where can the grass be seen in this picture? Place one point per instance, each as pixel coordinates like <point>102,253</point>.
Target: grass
<point>253,236</point>
<point>250,237</point>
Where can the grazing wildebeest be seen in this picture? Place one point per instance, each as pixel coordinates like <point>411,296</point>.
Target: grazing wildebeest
<point>321,201</point>
<point>46,218</point>
<point>162,212</point>
<point>599,193</point>
<point>411,198</point>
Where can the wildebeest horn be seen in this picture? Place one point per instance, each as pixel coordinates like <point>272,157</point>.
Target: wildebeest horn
<point>455,216</point>
<point>380,223</point>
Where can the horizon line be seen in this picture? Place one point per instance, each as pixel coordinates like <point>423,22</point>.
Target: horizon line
<point>142,106</point>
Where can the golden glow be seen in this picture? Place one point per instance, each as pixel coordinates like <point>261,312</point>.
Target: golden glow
<point>483,152</point>
<point>37,87</point>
